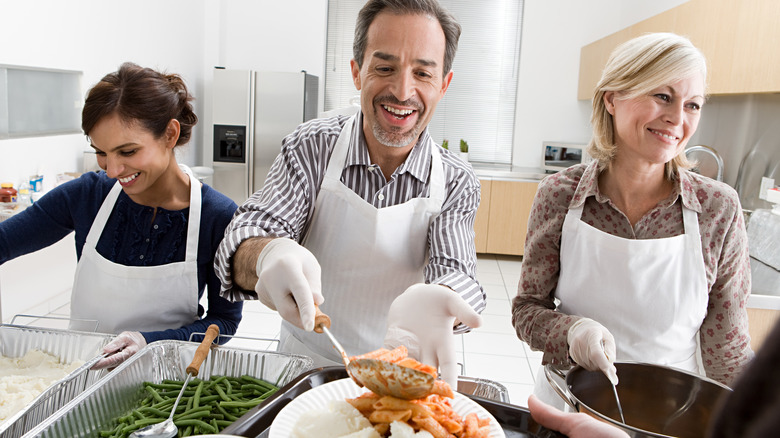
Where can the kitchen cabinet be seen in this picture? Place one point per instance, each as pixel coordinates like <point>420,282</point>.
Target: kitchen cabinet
<point>761,323</point>
<point>502,217</point>
<point>739,39</point>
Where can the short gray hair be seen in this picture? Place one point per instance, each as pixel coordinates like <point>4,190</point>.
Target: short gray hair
<point>430,8</point>
<point>636,67</point>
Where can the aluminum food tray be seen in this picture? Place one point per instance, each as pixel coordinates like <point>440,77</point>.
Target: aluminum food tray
<point>68,346</point>
<point>516,421</point>
<point>118,393</point>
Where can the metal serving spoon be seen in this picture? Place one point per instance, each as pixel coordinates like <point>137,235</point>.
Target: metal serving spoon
<point>167,429</point>
<point>381,377</point>
<point>614,389</point>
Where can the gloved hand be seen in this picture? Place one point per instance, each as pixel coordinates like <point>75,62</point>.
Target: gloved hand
<point>585,347</point>
<point>289,281</point>
<point>121,348</point>
<point>422,318</point>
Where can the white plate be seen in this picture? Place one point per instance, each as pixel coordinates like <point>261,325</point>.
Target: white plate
<point>319,397</point>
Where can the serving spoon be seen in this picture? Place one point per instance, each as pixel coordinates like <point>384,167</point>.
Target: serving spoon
<point>614,389</point>
<point>381,377</point>
<point>167,429</point>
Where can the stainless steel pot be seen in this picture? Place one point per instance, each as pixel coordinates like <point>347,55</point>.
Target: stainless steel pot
<point>657,401</point>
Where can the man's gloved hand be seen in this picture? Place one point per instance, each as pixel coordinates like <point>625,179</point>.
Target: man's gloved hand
<point>585,347</point>
<point>422,319</point>
<point>289,281</point>
<point>120,349</point>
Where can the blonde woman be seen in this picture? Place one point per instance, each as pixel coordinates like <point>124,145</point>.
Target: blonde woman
<point>644,256</point>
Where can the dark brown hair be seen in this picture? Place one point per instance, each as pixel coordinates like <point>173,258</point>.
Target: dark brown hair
<point>143,96</point>
<point>431,8</point>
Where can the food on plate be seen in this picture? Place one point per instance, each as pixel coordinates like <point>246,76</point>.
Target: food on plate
<point>337,420</point>
<point>433,413</point>
<point>206,407</point>
<point>341,420</point>
<point>24,378</point>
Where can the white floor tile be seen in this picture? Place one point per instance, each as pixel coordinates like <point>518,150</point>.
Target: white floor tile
<point>519,392</point>
<point>487,263</point>
<point>495,291</point>
<point>493,343</point>
<point>503,369</point>
<point>501,324</point>
<point>490,278</point>
<point>497,306</point>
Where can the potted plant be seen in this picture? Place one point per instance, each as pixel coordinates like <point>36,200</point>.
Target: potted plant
<point>445,144</point>
<point>464,150</point>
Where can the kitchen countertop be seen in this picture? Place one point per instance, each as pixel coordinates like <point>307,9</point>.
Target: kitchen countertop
<point>508,172</point>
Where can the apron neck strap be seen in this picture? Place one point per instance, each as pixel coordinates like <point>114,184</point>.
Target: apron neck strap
<point>193,221</point>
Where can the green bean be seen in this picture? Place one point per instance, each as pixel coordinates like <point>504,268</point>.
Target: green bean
<point>202,425</point>
<point>154,393</point>
<point>196,397</point>
<point>207,406</point>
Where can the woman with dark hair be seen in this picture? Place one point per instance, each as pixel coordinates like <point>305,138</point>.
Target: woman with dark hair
<point>146,230</point>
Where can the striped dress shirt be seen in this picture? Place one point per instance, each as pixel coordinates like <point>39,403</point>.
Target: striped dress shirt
<point>285,205</point>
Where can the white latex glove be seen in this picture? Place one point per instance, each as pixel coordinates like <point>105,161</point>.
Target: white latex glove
<point>120,349</point>
<point>289,281</point>
<point>585,338</point>
<point>422,318</point>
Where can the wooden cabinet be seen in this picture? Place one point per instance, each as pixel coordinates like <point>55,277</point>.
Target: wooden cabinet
<point>761,323</point>
<point>739,39</point>
<point>502,217</point>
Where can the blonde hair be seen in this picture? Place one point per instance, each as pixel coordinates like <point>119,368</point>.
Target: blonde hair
<point>637,67</point>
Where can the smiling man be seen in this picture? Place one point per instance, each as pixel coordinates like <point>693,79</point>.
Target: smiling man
<point>366,215</point>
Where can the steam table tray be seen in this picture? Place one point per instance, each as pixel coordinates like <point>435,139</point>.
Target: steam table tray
<point>515,420</point>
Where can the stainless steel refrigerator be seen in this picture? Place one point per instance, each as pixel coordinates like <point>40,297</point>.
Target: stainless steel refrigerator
<point>253,112</point>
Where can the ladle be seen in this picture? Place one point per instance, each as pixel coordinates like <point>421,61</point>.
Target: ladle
<point>381,377</point>
<point>167,429</point>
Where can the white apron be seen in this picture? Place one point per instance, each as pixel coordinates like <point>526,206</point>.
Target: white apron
<point>137,298</point>
<point>368,256</point>
<point>651,294</point>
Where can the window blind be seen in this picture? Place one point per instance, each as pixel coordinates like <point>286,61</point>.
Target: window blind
<point>479,106</point>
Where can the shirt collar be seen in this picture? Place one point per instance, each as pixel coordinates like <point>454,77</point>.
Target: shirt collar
<point>589,186</point>
<point>417,164</point>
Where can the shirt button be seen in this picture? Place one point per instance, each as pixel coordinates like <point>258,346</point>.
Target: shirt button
<point>371,168</point>
<point>381,197</point>
<point>141,257</point>
<point>155,227</point>
<point>147,239</point>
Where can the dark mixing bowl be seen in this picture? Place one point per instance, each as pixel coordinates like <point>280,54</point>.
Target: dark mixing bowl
<point>657,401</point>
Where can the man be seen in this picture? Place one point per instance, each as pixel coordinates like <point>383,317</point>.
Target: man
<point>365,215</point>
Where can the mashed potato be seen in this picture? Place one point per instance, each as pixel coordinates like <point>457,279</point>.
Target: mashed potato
<point>342,420</point>
<point>24,378</point>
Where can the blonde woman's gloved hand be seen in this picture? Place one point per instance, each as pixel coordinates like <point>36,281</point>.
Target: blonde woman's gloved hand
<point>585,347</point>
<point>120,349</point>
<point>289,281</point>
<point>422,318</point>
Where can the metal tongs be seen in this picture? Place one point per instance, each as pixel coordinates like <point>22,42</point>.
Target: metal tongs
<point>381,377</point>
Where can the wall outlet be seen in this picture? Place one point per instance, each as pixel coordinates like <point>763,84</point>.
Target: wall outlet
<point>766,184</point>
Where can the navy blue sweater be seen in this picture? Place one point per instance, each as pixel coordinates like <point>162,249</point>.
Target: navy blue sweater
<point>128,235</point>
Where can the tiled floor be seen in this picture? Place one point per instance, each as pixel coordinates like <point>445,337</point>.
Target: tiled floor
<point>490,352</point>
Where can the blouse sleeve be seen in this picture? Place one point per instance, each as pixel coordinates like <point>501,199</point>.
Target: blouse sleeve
<point>533,309</point>
<point>725,342</point>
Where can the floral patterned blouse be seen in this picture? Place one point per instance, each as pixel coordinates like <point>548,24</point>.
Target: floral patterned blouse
<point>725,343</point>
